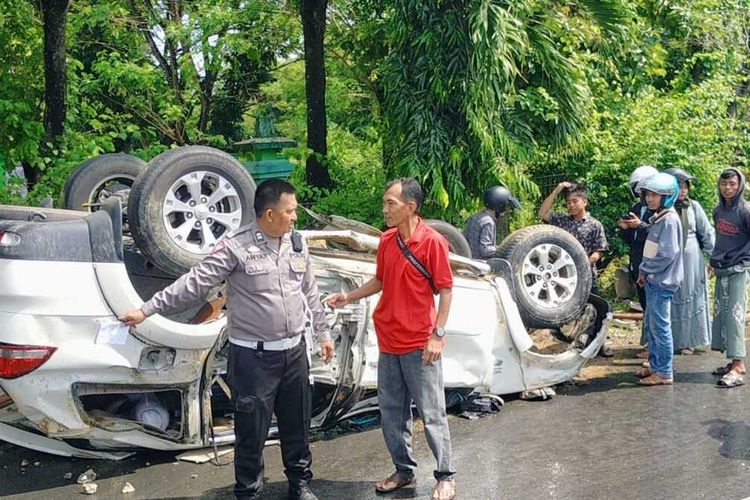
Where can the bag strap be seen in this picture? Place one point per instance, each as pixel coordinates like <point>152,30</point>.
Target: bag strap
<point>415,262</point>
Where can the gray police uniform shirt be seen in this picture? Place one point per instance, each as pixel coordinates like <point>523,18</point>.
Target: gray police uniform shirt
<point>267,284</point>
<point>481,233</point>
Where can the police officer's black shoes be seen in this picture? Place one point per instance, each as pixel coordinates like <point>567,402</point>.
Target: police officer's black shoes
<point>301,493</point>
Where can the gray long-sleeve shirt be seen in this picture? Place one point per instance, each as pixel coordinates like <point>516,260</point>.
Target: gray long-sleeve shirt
<point>481,233</point>
<point>267,286</point>
<point>662,255</point>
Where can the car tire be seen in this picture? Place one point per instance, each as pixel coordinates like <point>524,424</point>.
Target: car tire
<point>185,201</point>
<point>456,239</point>
<point>112,172</point>
<point>551,274</point>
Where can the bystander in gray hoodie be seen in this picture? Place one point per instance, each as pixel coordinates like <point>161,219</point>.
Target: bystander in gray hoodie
<point>732,221</point>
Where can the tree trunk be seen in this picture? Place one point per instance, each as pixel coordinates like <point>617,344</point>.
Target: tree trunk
<point>54,17</point>
<point>54,14</point>
<point>313,14</point>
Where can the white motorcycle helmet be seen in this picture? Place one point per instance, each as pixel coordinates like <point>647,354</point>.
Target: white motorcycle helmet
<point>640,173</point>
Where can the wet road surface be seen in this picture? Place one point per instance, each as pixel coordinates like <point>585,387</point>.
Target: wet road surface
<point>607,438</point>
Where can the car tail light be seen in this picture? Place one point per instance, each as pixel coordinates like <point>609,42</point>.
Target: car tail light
<point>18,360</point>
<point>8,239</point>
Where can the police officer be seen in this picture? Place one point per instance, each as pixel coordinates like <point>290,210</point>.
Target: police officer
<point>269,282</point>
<point>481,228</point>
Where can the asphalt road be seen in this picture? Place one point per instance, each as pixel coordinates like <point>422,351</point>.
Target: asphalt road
<point>605,439</point>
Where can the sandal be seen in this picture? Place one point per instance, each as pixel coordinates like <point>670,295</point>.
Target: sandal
<point>731,379</point>
<point>723,370</point>
<point>643,372</point>
<point>655,379</point>
<point>395,481</point>
<point>686,351</point>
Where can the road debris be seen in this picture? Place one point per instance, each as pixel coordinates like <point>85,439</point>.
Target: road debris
<point>90,488</point>
<point>68,475</point>
<point>540,394</point>
<point>87,477</point>
<point>24,463</point>
<point>204,455</point>
<point>624,323</point>
<point>128,489</point>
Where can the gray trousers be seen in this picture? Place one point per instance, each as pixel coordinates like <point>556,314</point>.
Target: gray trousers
<point>730,305</point>
<point>401,379</point>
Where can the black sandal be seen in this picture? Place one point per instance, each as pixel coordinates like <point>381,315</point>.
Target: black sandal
<point>722,370</point>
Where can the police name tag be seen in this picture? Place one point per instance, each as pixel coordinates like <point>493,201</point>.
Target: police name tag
<point>255,254</point>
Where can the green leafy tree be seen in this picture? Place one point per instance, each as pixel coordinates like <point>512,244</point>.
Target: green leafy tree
<point>187,70</point>
<point>470,89</point>
<point>21,88</point>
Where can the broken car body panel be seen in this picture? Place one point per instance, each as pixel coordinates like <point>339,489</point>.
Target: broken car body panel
<point>156,390</point>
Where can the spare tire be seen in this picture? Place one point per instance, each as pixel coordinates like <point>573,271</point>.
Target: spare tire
<point>552,274</point>
<point>456,239</point>
<point>99,178</point>
<point>185,201</point>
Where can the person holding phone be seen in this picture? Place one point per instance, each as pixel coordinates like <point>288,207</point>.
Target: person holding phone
<point>634,230</point>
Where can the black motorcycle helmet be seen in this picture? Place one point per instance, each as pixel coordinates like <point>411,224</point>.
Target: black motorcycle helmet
<point>500,199</point>
<point>681,175</point>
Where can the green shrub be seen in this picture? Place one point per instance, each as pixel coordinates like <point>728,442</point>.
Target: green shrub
<point>691,130</point>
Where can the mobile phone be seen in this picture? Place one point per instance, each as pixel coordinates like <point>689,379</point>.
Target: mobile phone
<point>627,216</point>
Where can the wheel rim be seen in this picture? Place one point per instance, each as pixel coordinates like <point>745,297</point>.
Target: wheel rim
<point>199,208</point>
<point>114,185</point>
<point>549,276</point>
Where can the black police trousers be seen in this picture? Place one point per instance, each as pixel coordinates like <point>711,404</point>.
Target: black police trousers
<point>264,383</point>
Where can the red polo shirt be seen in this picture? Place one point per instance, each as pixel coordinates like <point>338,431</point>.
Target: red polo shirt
<point>406,313</point>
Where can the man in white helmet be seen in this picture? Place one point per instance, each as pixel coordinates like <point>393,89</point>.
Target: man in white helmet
<point>634,230</point>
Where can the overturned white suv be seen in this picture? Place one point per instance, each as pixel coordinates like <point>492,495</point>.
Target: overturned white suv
<point>76,385</point>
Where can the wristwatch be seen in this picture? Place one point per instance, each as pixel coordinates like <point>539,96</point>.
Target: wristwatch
<point>439,331</point>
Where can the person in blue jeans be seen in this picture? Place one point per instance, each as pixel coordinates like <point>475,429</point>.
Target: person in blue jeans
<point>661,274</point>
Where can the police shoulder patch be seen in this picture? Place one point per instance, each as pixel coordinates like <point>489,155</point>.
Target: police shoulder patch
<point>239,230</point>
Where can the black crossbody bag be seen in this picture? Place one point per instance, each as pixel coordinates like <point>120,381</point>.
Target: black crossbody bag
<point>415,262</point>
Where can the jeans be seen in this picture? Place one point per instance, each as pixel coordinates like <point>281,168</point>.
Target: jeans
<point>401,378</point>
<point>659,329</point>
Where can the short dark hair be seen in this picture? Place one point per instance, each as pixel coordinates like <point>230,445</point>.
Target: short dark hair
<point>268,193</point>
<point>410,190</point>
<point>577,190</point>
<point>730,172</point>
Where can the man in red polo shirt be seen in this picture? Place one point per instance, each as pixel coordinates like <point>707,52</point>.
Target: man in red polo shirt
<point>411,335</point>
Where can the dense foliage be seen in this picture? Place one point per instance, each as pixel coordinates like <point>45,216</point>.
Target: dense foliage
<point>461,94</point>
